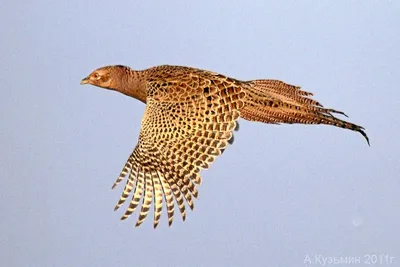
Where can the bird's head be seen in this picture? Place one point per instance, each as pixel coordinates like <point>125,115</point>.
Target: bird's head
<point>108,77</point>
<point>121,79</point>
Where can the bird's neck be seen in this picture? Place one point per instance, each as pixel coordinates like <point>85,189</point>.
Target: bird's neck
<point>134,84</point>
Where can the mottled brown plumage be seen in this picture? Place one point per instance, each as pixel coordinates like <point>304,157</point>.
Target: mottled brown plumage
<point>189,119</point>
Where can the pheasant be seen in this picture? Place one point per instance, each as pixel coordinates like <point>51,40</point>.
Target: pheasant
<point>189,120</point>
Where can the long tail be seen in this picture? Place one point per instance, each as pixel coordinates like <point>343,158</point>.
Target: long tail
<point>273,101</point>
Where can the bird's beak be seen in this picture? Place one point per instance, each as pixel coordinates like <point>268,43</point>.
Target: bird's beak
<point>85,80</point>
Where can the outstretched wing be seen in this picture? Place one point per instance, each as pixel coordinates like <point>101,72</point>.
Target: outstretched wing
<point>187,124</point>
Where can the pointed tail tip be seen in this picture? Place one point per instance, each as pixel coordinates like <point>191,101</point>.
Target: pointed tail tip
<point>365,136</point>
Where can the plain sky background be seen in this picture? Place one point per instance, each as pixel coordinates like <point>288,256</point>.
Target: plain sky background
<point>278,195</point>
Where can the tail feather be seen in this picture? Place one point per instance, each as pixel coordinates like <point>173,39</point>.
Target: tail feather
<point>273,101</point>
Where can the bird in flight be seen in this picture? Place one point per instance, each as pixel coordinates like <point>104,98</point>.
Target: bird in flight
<point>189,120</point>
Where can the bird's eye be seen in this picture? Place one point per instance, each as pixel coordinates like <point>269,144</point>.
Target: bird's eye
<point>96,76</point>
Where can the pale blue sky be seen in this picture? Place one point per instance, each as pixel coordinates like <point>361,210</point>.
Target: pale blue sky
<point>308,190</point>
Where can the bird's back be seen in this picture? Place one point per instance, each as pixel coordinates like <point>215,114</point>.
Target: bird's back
<point>268,101</point>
